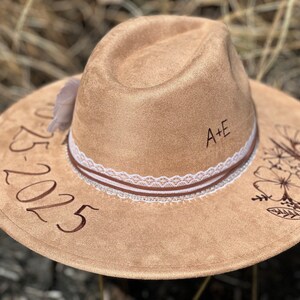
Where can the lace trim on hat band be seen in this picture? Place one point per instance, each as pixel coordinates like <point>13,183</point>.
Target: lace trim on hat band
<point>161,189</point>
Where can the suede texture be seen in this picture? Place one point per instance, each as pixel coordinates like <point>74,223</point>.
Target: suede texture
<point>48,208</point>
<point>151,90</point>
<point>221,232</point>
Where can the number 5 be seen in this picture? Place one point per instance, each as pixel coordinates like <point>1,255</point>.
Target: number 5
<point>83,219</point>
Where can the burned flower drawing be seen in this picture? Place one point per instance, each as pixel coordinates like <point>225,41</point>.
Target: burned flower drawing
<point>290,135</point>
<point>279,179</point>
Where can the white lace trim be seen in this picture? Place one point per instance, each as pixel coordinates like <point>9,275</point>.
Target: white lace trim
<point>162,181</point>
<point>149,199</point>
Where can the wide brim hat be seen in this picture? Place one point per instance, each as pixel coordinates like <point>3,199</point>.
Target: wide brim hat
<point>51,202</point>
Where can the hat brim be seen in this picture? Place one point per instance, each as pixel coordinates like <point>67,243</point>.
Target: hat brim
<point>48,208</point>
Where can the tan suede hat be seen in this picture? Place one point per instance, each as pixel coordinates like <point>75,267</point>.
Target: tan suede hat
<point>175,164</point>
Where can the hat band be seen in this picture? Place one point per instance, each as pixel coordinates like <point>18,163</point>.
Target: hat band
<point>162,188</point>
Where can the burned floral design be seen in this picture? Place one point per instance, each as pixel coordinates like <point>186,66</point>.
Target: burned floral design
<point>279,179</point>
<point>291,135</point>
<point>275,156</point>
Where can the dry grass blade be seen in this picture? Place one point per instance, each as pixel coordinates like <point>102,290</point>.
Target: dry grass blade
<point>259,8</point>
<point>132,8</point>
<point>271,36</point>
<point>282,38</point>
<point>101,287</point>
<point>202,288</point>
<point>254,282</point>
<point>21,22</point>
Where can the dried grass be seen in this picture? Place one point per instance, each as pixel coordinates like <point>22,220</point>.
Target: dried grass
<point>43,40</point>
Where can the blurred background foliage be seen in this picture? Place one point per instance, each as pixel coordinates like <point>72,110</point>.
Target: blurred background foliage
<point>45,40</point>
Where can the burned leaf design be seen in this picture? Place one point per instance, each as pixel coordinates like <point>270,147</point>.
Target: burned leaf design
<point>286,213</point>
<point>261,197</point>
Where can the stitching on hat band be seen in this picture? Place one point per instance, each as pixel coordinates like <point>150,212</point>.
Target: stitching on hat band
<point>161,189</point>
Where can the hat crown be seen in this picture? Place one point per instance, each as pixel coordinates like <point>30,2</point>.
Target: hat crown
<point>163,96</point>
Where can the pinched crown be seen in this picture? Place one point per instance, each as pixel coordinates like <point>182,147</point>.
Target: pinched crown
<point>163,96</point>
